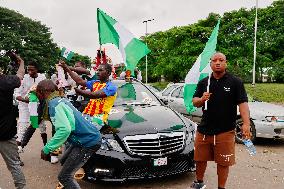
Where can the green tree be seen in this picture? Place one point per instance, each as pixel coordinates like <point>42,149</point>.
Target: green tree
<point>174,51</point>
<point>31,39</point>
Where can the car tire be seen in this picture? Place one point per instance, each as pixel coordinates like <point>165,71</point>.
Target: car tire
<point>239,124</point>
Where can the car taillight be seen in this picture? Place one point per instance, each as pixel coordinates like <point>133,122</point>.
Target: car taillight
<point>271,118</point>
<point>275,118</point>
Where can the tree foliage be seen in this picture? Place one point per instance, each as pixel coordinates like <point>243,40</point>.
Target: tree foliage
<point>173,52</point>
<point>31,39</point>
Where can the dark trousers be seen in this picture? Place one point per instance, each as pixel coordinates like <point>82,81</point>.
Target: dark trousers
<point>9,152</point>
<point>73,159</point>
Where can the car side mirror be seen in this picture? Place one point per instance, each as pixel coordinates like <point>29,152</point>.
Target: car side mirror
<point>165,101</point>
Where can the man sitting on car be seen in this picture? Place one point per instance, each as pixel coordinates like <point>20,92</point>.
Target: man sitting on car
<point>102,93</point>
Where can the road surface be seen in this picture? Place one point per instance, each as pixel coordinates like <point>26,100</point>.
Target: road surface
<point>263,171</point>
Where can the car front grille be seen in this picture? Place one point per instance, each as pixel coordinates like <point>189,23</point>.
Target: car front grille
<point>132,172</point>
<point>159,144</point>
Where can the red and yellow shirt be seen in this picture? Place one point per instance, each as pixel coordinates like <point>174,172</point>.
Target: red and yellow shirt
<point>101,106</point>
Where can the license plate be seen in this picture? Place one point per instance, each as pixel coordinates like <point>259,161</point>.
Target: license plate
<point>161,161</point>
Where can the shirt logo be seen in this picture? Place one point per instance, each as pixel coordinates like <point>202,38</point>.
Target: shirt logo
<point>227,89</point>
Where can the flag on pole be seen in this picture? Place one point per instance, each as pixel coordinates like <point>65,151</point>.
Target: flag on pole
<point>33,103</point>
<point>131,48</point>
<point>61,77</point>
<point>200,69</point>
<point>66,53</point>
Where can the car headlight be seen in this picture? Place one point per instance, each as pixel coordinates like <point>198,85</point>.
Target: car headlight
<point>111,144</point>
<point>275,118</point>
<point>188,138</point>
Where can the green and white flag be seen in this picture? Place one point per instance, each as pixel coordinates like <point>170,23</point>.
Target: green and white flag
<point>200,69</point>
<point>33,103</point>
<point>131,48</point>
<point>66,53</point>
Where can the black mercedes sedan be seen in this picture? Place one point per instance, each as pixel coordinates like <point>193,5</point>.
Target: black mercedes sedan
<point>146,139</point>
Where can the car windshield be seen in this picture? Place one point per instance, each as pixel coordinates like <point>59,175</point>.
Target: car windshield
<point>154,89</point>
<point>133,93</point>
<point>168,90</point>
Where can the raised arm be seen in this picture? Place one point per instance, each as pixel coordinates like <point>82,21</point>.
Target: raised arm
<point>21,69</point>
<point>80,70</point>
<point>72,74</point>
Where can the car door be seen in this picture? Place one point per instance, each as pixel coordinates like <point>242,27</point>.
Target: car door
<point>166,92</point>
<point>197,115</point>
<point>180,102</point>
<point>194,116</point>
<point>175,101</point>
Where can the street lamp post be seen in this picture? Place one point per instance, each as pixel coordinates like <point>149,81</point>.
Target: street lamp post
<point>146,21</point>
<point>254,49</point>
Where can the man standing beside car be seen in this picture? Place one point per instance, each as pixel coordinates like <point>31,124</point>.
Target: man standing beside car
<point>215,136</point>
<point>8,123</point>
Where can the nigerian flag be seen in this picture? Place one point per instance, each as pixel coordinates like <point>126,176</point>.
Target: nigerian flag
<point>127,92</point>
<point>66,53</point>
<point>131,48</point>
<point>200,69</point>
<point>33,102</point>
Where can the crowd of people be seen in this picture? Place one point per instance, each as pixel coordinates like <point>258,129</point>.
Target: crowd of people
<point>79,111</point>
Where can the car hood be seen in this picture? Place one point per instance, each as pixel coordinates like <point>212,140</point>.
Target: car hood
<point>258,110</point>
<point>133,120</point>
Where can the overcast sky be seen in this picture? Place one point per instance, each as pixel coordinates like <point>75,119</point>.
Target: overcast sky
<point>73,22</point>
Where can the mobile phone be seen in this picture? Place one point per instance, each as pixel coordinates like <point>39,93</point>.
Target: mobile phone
<point>12,55</point>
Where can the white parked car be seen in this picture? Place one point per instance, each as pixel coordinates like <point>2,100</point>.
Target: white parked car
<point>267,120</point>
<point>154,89</point>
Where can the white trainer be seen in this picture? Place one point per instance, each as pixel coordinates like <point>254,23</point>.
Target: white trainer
<point>54,159</point>
<point>20,149</point>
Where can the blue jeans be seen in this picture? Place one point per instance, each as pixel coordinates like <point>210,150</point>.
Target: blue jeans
<point>73,159</point>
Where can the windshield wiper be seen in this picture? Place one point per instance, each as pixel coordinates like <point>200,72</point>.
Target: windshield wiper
<point>135,104</point>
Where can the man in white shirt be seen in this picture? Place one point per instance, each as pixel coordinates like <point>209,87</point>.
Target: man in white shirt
<point>31,79</point>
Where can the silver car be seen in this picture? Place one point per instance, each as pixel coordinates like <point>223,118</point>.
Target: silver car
<point>154,89</point>
<point>267,120</point>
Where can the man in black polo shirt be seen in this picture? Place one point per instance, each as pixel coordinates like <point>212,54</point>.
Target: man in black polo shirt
<point>8,123</point>
<point>215,136</point>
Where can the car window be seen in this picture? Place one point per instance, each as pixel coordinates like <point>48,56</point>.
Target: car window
<point>176,92</point>
<point>133,93</point>
<point>168,90</point>
<point>181,93</point>
<point>154,89</point>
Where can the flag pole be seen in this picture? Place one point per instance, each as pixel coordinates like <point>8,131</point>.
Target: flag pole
<point>207,90</point>
<point>254,49</point>
<point>146,21</point>
<point>98,20</point>
<point>101,54</point>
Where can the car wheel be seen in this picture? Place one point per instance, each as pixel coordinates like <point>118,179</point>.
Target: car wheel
<point>239,124</point>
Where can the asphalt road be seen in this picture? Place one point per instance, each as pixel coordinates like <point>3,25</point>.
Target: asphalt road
<point>263,171</point>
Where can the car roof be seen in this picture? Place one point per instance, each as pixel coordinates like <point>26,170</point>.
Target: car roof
<point>173,84</point>
<point>179,84</point>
